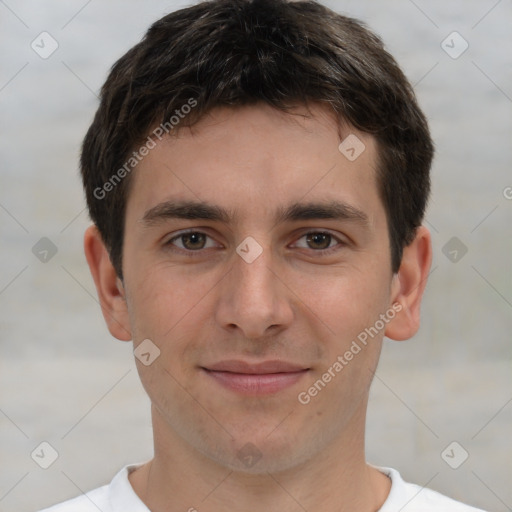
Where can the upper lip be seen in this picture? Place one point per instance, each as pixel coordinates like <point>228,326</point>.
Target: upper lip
<point>237,366</point>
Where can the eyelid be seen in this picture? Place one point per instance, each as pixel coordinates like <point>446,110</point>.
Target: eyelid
<point>168,244</point>
<point>189,252</point>
<point>339,239</point>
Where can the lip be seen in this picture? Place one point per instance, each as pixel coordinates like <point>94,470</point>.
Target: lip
<point>255,378</point>
<point>265,367</point>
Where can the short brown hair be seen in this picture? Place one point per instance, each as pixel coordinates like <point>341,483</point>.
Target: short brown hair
<point>240,52</point>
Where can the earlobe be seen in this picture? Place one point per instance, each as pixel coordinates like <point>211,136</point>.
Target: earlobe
<point>409,284</point>
<point>110,288</point>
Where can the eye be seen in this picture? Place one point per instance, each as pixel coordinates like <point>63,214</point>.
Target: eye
<point>320,241</point>
<point>190,241</point>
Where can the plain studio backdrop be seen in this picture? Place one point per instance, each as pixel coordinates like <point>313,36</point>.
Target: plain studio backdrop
<point>441,404</point>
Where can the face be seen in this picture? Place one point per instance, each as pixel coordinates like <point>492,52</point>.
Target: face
<point>255,255</point>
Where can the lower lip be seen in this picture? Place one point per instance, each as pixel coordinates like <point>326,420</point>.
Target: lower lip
<point>256,384</point>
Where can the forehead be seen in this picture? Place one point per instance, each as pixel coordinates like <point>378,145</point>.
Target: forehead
<point>255,159</point>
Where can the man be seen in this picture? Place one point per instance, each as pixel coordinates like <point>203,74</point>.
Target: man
<point>257,173</point>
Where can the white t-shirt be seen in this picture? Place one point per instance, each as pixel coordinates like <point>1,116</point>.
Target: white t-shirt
<point>119,496</point>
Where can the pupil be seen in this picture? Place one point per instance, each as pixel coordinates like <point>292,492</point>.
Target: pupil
<point>194,238</point>
<point>318,238</point>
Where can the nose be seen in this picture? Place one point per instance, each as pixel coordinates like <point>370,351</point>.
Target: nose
<point>254,298</point>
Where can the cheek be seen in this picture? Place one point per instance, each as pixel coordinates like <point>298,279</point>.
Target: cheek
<point>162,297</point>
<point>347,301</point>
<point>174,311</point>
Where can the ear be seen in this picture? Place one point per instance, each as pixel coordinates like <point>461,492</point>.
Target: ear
<point>408,286</point>
<point>110,288</point>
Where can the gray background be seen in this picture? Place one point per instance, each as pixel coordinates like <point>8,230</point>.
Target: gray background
<point>64,380</point>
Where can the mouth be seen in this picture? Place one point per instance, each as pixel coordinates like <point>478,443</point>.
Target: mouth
<point>262,378</point>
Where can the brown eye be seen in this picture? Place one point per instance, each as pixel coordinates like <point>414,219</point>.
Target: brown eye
<point>321,243</point>
<point>319,240</point>
<point>193,241</point>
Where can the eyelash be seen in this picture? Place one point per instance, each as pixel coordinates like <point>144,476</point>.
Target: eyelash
<point>198,252</point>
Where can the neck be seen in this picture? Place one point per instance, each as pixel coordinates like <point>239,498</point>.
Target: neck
<point>180,478</point>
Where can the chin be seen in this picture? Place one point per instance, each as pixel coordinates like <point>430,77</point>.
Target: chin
<point>262,455</point>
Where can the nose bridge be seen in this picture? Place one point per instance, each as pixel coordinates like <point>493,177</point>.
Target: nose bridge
<point>251,274</point>
<point>252,297</point>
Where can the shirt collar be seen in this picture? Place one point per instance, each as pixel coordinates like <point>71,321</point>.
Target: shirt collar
<point>121,494</point>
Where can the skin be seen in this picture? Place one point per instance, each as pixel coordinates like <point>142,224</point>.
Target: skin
<point>291,304</point>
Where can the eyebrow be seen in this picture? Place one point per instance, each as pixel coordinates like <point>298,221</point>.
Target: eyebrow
<point>195,210</point>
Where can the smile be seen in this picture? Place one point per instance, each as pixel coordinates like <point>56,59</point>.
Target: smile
<point>255,379</point>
